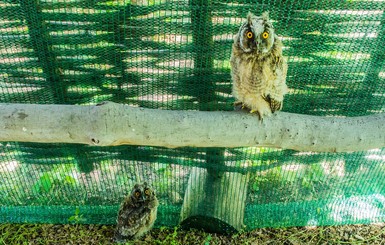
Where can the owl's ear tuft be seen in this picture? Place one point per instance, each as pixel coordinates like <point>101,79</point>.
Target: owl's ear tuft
<point>265,16</point>
<point>249,17</point>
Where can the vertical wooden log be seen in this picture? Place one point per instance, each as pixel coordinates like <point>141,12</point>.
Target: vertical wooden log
<point>371,82</point>
<point>202,86</point>
<point>41,43</point>
<point>215,204</point>
<point>214,200</point>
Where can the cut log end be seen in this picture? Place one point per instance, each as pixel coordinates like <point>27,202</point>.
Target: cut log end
<point>215,203</point>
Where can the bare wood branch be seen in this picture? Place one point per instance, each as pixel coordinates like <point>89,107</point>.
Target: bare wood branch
<point>116,124</point>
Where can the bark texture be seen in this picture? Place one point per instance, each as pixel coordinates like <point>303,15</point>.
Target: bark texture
<point>115,124</point>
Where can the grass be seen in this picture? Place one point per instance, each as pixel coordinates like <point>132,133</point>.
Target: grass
<point>102,234</point>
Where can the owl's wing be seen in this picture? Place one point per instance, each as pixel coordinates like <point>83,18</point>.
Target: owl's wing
<point>278,88</point>
<point>275,105</point>
<point>130,220</point>
<point>126,209</point>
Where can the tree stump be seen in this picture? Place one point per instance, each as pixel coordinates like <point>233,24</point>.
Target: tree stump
<point>215,202</point>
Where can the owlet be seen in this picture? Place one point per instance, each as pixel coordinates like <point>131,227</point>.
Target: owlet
<point>258,68</point>
<point>137,213</point>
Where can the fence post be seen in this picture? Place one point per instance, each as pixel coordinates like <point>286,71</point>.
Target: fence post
<point>214,199</point>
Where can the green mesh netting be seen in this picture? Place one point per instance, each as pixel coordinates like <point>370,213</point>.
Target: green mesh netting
<point>174,55</point>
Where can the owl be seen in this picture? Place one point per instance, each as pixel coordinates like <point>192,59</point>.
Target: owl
<point>258,69</point>
<point>137,213</point>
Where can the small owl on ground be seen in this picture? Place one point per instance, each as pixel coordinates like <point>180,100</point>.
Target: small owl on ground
<point>137,213</point>
<point>258,69</point>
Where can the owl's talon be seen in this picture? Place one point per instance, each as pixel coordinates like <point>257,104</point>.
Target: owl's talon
<point>257,112</point>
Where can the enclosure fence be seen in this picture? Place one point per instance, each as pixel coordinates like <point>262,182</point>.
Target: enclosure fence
<point>174,55</point>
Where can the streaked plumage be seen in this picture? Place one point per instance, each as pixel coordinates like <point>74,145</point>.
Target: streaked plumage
<point>137,213</point>
<point>258,68</point>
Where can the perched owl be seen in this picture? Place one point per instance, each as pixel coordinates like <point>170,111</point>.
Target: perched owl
<point>258,68</point>
<point>137,213</point>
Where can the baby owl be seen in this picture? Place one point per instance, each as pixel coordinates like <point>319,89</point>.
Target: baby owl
<point>137,213</point>
<point>258,68</point>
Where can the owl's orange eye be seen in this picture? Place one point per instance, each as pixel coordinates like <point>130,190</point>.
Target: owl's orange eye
<point>137,193</point>
<point>249,34</point>
<point>265,35</point>
<point>147,192</point>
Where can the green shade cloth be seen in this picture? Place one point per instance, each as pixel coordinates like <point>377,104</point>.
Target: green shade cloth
<point>174,55</point>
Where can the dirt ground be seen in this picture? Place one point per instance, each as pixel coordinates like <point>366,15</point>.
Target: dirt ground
<point>102,234</point>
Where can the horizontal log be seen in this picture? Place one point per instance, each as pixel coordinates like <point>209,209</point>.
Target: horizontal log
<point>112,124</point>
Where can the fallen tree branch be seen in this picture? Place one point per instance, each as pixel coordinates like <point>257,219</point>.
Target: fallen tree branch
<point>115,124</point>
